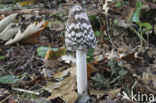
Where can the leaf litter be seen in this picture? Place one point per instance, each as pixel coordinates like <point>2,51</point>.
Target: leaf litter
<point>113,71</point>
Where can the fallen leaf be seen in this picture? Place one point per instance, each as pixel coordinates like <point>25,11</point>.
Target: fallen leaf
<point>125,50</point>
<point>41,51</point>
<point>3,92</point>
<point>51,56</point>
<point>25,3</point>
<point>55,54</point>
<point>10,31</point>
<point>68,59</point>
<point>41,100</point>
<point>97,93</point>
<point>61,74</point>
<point>50,63</point>
<point>112,93</point>
<point>70,97</point>
<point>61,89</point>
<point>67,78</point>
<point>2,16</point>
<point>33,38</point>
<point>148,79</point>
<point>90,69</point>
<point>27,16</point>
<point>48,72</point>
<point>113,55</point>
<point>101,64</point>
<point>48,54</point>
<point>30,35</point>
<point>6,21</point>
<point>124,23</point>
<point>56,25</point>
<point>132,59</point>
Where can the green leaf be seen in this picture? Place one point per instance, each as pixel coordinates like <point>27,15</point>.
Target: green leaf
<point>98,34</point>
<point>2,57</point>
<point>136,15</point>
<point>90,55</point>
<point>118,4</point>
<point>90,52</point>
<point>120,64</point>
<point>54,49</point>
<point>10,79</point>
<point>53,52</point>
<point>114,80</point>
<point>112,65</point>
<point>22,75</point>
<point>138,4</point>
<point>122,73</point>
<point>99,78</point>
<point>42,51</point>
<point>148,26</point>
<point>115,21</point>
<point>95,21</point>
<point>57,21</point>
<point>100,81</point>
<point>92,18</point>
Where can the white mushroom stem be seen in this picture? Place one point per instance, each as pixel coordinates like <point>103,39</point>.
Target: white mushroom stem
<point>81,72</point>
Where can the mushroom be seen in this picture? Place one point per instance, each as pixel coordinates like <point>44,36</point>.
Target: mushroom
<point>79,37</point>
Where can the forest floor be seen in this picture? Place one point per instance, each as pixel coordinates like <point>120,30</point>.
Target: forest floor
<point>35,66</point>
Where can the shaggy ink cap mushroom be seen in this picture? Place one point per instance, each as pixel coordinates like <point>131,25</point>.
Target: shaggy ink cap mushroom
<point>80,37</point>
<point>79,33</point>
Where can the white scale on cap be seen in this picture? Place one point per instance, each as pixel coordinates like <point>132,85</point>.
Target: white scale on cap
<point>79,35</point>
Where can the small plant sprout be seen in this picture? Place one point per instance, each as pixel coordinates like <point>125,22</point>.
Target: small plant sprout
<point>80,37</point>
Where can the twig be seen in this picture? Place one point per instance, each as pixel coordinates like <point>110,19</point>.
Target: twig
<point>26,91</point>
<point>4,99</point>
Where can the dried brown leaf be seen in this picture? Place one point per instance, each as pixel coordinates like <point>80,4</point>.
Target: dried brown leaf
<point>90,69</point>
<point>30,35</point>
<point>62,74</point>
<point>10,31</point>
<point>148,79</point>
<point>114,92</point>
<point>33,38</point>
<point>98,93</point>
<point>68,59</point>
<point>65,88</point>
<point>6,21</point>
<point>131,59</point>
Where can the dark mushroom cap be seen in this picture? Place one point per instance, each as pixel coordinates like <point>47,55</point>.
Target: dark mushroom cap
<point>79,34</point>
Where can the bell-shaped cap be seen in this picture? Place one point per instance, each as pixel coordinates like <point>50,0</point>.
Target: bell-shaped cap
<point>79,34</point>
